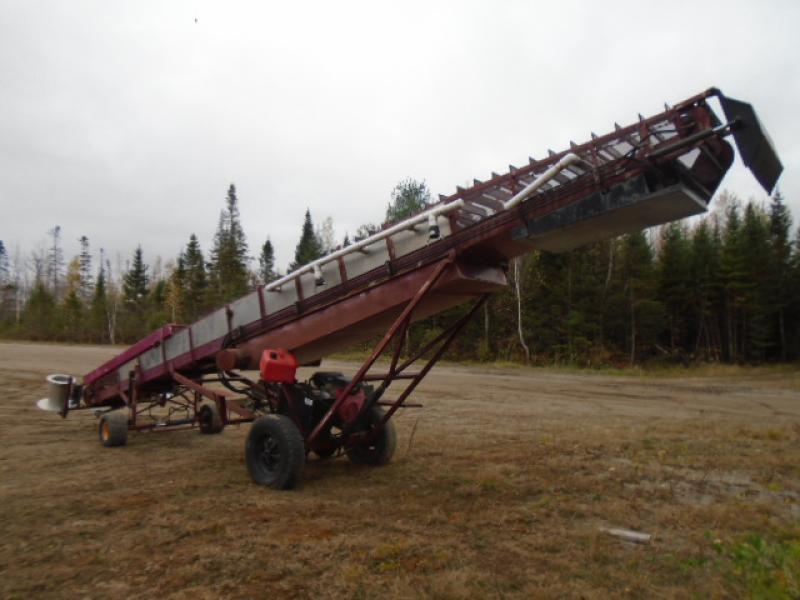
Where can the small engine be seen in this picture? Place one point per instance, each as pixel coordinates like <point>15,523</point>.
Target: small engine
<point>307,402</point>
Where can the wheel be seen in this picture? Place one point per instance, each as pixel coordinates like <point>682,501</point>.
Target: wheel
<point>332,447</point>
<point>209,418</point>
<point>113,429</point>
<point>325,453</point>
<point>275,452</point>
<point>380,449</point>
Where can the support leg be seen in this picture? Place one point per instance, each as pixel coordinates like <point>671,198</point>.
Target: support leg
<point>398,325</point>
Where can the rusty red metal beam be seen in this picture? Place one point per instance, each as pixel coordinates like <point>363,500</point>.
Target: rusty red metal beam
<point>325,422</point>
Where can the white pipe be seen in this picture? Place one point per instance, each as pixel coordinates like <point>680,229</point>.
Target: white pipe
<point>429,216</point>
<point>528,190</point>
<point>313,266</point>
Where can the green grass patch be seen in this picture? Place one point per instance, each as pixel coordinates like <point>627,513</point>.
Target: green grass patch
<point>765,569</point>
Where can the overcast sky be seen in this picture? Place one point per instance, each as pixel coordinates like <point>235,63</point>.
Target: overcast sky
<point>126,121</point>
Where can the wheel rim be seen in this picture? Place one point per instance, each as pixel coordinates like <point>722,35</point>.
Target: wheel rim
<point>270,453</point>
<point>205,417</point>
<point>368,448</point>
<point>105,431</point>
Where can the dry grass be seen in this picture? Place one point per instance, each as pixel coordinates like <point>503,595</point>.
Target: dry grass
<point>501,494</point>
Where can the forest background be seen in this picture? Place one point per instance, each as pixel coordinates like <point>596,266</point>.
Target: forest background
<point>724,287</point>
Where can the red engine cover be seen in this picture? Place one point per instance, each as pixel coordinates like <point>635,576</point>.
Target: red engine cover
<point>278,366</point>
<point>350,408</point>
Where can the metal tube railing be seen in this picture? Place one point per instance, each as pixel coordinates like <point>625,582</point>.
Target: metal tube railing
<point>314,266</point>
<point>531,188</point>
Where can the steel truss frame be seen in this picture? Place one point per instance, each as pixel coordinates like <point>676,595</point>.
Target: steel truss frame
<point>187,397</point>
<point>396,333</point>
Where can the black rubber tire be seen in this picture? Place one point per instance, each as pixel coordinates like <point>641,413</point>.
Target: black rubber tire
<point>381,449</point>
<point>209,418</point>
<point>275,452</point>
<point>326,453</point>
<point>113,428</point>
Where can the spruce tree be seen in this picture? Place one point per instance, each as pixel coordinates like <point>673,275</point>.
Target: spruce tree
<point>236,232</point>
<point>644,311</point>
<point>229,255</point>
<point>755,235</point>
<point>543,285</point>
<point>704,292</point>
<point>734,282</point>
<point>674,285</point>
<point>4,271</point>
<point>135,281</point>
<point>39,315</point>
<point>308,248</point>
<point>193,279</point>
<point>8,289</point>
<point>157,310</point>
<point>266,263</point>
<point>98,311</point>
<point>779,289</point>
<point>793,309</point>
<point>72,317</point>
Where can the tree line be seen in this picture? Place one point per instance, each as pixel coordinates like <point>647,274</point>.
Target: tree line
<point>721,288</point>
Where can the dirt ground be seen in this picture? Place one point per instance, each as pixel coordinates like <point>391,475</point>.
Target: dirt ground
<point>499,488</point>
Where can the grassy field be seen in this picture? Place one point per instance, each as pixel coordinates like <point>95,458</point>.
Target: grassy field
<point>499,489</point>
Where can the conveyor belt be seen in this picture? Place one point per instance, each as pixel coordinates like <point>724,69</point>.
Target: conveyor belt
<point>655,170</point>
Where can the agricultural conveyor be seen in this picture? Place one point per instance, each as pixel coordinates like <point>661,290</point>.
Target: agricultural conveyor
<point>656,170</point>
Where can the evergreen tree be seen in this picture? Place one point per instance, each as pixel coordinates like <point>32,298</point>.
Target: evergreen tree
<point>793,309</point>
<point>236,233</point>
<point>644,312</point>
<point>779,289</point>
<point>8,288</point>
<point>39,316</point>
<point>4,271</point>
<point>266,263</point>
<point>734,282</point>
<point>308,249</point>
<point>705,291</point>
<point>543,287</point>
<point>135,281</point>
<point>72,317</point>
<point>674,286</point>
<point>755,234</point>
<point>408,198</point>
<point>98,311</point>
<point>191,272</point>
<point>157,310</point>
<point>229,255</point>
<point>158,293</point>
